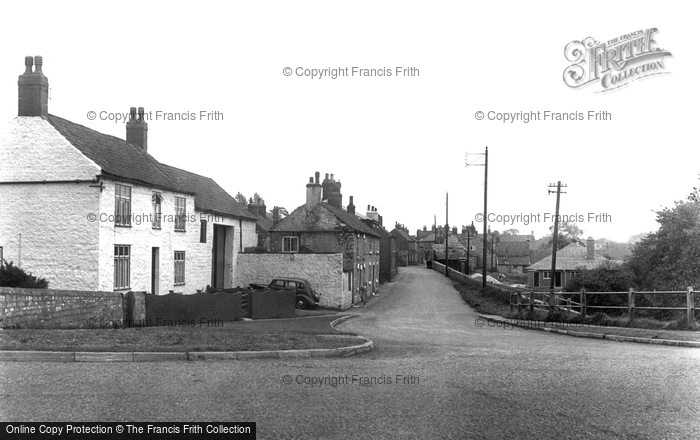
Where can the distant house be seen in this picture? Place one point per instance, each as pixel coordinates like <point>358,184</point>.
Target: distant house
<point>89,211</point>
<point>387,242</point>
<point>570,261</point>
<point>264,221</point>
<point>513,252</point>
<point>406,247</point>
<point>321,225</point>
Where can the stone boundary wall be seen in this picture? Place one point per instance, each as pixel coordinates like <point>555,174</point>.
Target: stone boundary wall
<point>47,308</point>
<point>323,271</point>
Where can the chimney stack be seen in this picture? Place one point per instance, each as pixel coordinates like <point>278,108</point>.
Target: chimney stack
<point>372,213</point>
<point>275,216</point>
<point>351,207</point>
<point>137,129</point>
<point>314,191</point>
<point>590,248</point>
<point>331,192</point>
<point>33,89</point>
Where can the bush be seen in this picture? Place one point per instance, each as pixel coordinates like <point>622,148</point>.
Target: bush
<point>14,276</point>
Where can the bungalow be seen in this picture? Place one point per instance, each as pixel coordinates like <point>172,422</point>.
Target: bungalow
<point>570,261</point>
<point>89,211</point>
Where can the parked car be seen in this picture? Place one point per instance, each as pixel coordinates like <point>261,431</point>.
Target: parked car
<point>306,296</point>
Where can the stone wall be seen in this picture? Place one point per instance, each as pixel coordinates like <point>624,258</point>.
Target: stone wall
<point>323,271</point>
<point>46,308</point>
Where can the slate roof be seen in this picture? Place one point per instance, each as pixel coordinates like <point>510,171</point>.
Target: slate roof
<point>208,195</point>
<point>518,238</point>
<point>430,237</point>
<point>306,218</point>
<point>115,156</point>
<point>403,234</point>
<point>571,257</point>
<point>120,159</point>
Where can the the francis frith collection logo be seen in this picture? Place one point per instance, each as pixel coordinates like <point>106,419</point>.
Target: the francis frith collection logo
<point>614,63</point>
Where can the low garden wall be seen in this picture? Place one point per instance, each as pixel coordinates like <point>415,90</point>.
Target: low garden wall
<point>47,308</point>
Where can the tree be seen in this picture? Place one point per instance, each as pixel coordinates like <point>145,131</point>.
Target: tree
<point>668,258</point>
<point>240,198</point>
<point>511,232</point>
<point>14,276</point>
<point>568,233</point>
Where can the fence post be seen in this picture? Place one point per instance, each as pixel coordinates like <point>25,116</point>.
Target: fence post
<point>630,304</point>
<point>691,306</point>
<point>552,301</point>
<point>568,306</point>
<point>582,302</point>
<point>511,301</point>
<point>531,302</point>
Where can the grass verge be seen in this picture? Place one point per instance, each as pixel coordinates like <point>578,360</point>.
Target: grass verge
<point>496,302</point>
<point>299,334</point>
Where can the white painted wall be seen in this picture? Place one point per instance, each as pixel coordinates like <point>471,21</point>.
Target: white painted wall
<point>32,150</point>
<point>57,241</point>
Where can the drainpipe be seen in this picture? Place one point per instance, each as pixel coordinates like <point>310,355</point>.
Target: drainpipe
<point>240,234</point>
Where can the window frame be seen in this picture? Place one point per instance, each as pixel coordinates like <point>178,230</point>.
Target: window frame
<point>180,214</point>
<point>179,268</point>
<point>290,248</point>
<point>122,205</point>
<point>122,262</point>
<point>546,274</point>
<point>157,204</point>
<point>202,231</point>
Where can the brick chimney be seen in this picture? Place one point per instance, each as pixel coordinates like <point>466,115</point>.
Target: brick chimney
<point>331,192</point>
<point>137,129</point>
<point>314,191</point>
<point>33,89</point>
<point>351,207</point>
<point>275,216</point>
<point>590,248</point>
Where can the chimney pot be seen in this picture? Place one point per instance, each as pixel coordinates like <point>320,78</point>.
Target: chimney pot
<point>317,176</point>
<point>28,62</point>
<point>38,62</point>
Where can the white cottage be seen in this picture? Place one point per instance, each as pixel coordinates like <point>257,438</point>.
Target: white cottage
<point>89,211</point>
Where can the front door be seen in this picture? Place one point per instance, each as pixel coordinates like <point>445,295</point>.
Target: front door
<point>155,269</point>
<point>218,267</point>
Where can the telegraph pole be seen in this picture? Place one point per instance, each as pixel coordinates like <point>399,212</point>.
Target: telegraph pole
<point>485,219</point>
<point>469,236</point>
<point>556,233</point>
<point>447,228</point>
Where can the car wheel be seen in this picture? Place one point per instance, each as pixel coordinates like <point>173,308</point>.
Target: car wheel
<point>301,304</point>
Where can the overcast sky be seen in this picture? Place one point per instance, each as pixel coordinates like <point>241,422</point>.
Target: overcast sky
<point>395,142</point>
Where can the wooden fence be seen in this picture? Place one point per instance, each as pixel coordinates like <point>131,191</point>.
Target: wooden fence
<point>563,302</point>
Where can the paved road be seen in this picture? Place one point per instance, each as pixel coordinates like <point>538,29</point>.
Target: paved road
<point>449,379</point>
